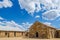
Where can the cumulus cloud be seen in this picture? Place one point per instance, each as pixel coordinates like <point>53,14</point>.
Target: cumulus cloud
<point>5,3</point>
<point>35,5</point>
<point>51,15</point>
<point>30,5</point>
<point>37,16</point>
<point>10,26</point>
<point>13,26</point>
<point>26,25</point>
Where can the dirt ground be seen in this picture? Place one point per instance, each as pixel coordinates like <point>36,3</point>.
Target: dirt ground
<point>20,38</point>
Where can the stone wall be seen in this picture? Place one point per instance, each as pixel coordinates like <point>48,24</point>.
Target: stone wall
<point>58,34</point>
<point>42,31</point>
<point>11,34</point>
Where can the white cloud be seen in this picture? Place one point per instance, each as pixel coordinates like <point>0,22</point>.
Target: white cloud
<point>47,23</point>
<point>5,3</point>
<point>10,26</point>
<point>30,5</point>
<point>34,5</point>
<point>1,18</point>
<point>26,25</point>
<point>37,16</point>
<point>51,15</point>
<point>13,26</point>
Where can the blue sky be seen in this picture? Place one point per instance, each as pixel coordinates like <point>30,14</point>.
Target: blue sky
<point>30,11</point>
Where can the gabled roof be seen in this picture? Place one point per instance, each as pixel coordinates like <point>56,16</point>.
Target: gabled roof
<point>44,24</point>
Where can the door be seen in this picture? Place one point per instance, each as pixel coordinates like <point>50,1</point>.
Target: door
<point>37,34</point>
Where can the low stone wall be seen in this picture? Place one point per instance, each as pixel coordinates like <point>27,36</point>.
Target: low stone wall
<point>11,34</point>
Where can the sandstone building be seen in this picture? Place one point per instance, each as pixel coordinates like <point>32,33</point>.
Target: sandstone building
<point>40,30</point>
<point>37,30</point>
<point>11,34</point>
<point>7,31</point>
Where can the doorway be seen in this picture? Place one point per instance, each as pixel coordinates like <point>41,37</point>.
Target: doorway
<point>36,34</point>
